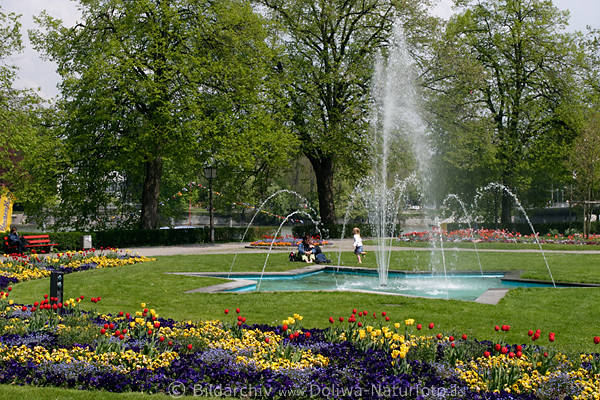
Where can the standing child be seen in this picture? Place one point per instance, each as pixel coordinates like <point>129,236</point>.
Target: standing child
<point>358,245</point>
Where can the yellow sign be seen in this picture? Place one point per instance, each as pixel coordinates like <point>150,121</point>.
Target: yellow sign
<point>6,205</point>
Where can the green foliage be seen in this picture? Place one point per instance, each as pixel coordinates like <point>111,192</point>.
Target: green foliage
<point>30,154</point>
<point>503,83</point>
<point>330,49</point>
<point>153,89</point>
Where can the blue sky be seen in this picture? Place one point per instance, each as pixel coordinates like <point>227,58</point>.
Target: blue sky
<point>37,73</point>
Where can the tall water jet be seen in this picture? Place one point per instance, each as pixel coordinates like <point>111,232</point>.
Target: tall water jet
<point>395,115</point>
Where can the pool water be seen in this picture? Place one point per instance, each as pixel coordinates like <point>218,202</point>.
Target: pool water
<point>456,286</point>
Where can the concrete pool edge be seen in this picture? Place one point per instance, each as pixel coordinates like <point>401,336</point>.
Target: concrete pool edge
<point>492,296</point>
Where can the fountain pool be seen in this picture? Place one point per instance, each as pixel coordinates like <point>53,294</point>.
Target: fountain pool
<point>460,286</point>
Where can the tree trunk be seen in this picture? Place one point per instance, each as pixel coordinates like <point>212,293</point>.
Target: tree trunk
<point>506,211</point>
<point>323,168</point>
<point>149,217</point>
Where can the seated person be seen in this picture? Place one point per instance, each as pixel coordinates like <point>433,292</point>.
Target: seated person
<point>305,250</point>
<point>15,240</point>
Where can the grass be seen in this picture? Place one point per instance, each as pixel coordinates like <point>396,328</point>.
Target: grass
<point>125,288</point>
<point>498,245</point>
<point>52,393</point>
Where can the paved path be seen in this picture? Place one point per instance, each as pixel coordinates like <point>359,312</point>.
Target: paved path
<point>336,245</point>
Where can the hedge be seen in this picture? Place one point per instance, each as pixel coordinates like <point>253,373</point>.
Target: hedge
<point>122,238</point>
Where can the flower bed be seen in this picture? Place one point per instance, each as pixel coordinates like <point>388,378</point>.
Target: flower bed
<point>287,241</point>
<point>498,236</point>
<point>361,356</point>
<point>17,268</point>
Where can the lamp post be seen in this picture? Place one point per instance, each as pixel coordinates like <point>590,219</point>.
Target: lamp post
<point>210,173</point>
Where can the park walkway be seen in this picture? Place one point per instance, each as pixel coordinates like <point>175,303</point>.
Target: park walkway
<point>336,245</point>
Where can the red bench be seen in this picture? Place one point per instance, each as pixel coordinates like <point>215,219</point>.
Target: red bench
<point>33,242</point>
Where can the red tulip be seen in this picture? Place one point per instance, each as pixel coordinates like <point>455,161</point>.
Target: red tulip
<point>360,324</point>
<point>189,346</point>
<point>267,340</point>
<point>439,336</point>
<point>519,347</point>
<point>120,313</point>
<point>387,318</point>
<point>341,319</point>
<point>170,343</point>
<point>497,328</point>
<point>419,326</point>
<point>124,331</point>
<point>127,315</point>
<point>545,354</point>
<point>551,336</point>
<point>237,310</point>
<point>519,354</point>
<point>103,331</point>
<point>161,339</point>
<point>239,318</point>
<point>307,334</point>
<point>149,331</point>
<point>498,347</point>
<point>284,327</point>
<point>530,332</point>
<point>451,338</point>
<point>486,354</point>
<point>105,326</point>
<point>227,311</point>
<point>157,324</point>
<point>331,320</point>
<point>511,354</point>
<point>504,350</point>
<point>121,337</point>
<point>383,313</point>
<point>596,339</point>
<point>464,336</point>
<point>354,311</point>
<point>111,326</point>
<point>291,336</point>
<point>431,325</point>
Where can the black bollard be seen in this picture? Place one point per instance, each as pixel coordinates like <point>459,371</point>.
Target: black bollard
<point>56,288</point>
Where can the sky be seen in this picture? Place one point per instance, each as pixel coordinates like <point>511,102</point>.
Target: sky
<point>36,73</point>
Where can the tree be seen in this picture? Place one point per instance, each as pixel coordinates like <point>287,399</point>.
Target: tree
<point>522,64</point>
<point>148,83</point>
<point>29,152</point>
<point>330,51</point>
<point>585,164</point>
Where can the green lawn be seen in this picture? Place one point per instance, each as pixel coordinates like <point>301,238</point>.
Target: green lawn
<point>497,245</point>
<point>570,312</point>
<point>52,393</point>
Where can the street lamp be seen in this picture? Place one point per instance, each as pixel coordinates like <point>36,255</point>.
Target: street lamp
<point>210,173</point>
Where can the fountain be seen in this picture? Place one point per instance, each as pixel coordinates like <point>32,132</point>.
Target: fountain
<point>394,118</point>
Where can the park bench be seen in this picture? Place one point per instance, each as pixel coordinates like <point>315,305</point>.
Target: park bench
<point>33,242</point>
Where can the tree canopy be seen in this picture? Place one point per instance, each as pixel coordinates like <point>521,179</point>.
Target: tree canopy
<point>153,82</point>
